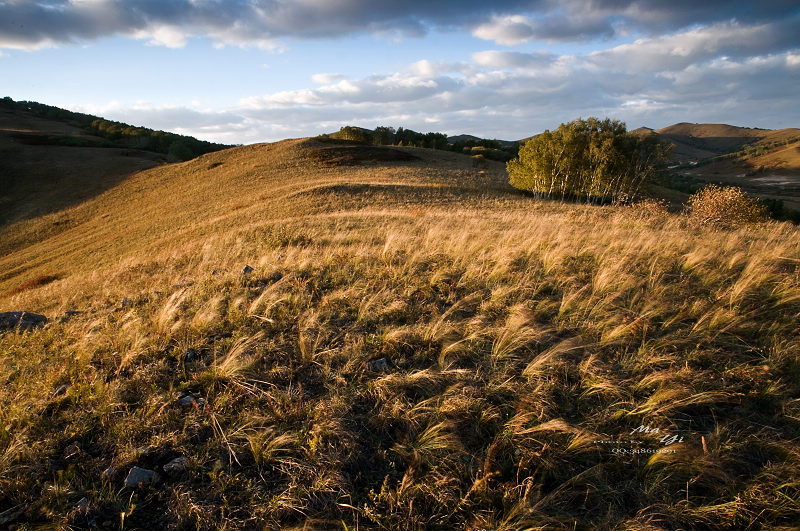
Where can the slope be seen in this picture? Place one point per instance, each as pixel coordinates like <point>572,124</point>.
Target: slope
<point>168,206</point>
<point>414,345</point>
<point>49,165</point>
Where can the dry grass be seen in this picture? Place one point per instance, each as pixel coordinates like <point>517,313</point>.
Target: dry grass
<point>516,335</point>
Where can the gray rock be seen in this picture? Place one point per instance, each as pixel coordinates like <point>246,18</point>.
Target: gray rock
<point>82,505</point>
<point>190,355</point>
<point>190,400</point>
<point>108,473</point>
<point>21,320</point>
<point>141,477</point>
<point>125,303</point>
<point>247,270</point>
<point>176,467</point>
<point>378,365</point>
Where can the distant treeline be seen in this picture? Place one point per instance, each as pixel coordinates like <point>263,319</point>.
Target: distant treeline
<point>118,134</point>
<point>389,136</point>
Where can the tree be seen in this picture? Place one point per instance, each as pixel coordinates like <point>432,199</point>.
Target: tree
<point>596,160</point>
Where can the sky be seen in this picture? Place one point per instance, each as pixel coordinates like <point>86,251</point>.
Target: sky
<point>245,71</point>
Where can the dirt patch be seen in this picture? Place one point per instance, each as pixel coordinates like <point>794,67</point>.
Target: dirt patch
<point>353,155</point>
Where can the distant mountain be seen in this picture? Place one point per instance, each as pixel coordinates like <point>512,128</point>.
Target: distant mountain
<point>696,142</point>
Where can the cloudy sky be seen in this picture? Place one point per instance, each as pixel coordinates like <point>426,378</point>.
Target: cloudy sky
<point>245,71</point>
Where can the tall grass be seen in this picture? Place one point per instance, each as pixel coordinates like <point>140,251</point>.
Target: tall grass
<point>515,338</point>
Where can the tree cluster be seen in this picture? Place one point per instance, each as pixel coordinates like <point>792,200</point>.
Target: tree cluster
<point>593,160</point>
<point>389,136</point>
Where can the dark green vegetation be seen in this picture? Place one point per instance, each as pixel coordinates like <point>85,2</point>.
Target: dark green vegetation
<point>389,136</point>
<point>106,133</point>
<point>592,160</point>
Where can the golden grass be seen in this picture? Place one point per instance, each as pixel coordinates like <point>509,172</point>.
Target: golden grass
<point>515,334</point>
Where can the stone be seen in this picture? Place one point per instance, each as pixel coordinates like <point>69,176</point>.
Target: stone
<point>176,467</point>
<point>60,390</point>
<point>378,365</point>
<point>190,355</point>
<point>190,400</point>
<point>247,270</point>
<point>141,477</point>
<point>21,320</point>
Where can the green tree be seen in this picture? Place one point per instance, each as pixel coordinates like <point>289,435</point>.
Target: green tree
<point>592,159</point>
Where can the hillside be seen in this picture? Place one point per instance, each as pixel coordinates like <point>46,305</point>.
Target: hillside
<point>416,345</point>
<point>38,177</point>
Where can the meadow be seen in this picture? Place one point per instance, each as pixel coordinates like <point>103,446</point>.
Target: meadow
<point>417,346</point>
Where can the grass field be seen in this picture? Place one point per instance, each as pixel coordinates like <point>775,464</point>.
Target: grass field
<point>418,346</point>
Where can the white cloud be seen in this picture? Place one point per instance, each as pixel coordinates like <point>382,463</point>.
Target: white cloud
<point>506,30</point>
<point>324,79</point>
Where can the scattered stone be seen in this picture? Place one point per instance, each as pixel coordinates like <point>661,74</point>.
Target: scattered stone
<point>177,467</point>
<point>378,365</point>
<point>247,270</point>
<point>12,514</point>
<point>108,473</point>
<point>141,477</point>
<point>190,355</point>
<point>190,400</point>
<point>21,320</point>
<point>82,505</point>
<point>213,271</point>
<point>125,303</point>
<point>276,276</point>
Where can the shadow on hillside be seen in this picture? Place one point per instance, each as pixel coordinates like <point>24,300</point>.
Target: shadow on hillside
<point>39,176</point>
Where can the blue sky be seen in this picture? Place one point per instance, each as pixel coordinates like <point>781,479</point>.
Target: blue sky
<point>246,71</point>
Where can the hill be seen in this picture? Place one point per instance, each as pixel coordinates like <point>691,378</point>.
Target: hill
<point>764,162</point>
<point>39,177</point>
<point>413,344</point>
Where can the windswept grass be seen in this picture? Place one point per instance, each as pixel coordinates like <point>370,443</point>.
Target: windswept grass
<point>522,345</point>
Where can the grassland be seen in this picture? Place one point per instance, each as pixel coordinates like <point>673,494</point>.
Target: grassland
<point>418,346</point>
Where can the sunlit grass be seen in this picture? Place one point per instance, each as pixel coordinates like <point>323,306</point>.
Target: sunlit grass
<point>397,359</point>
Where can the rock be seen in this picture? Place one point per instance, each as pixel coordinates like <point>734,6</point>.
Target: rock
<point>108,473</point>
<point>190,355</point>
<point>247,270</point>
<point>82,505</point>
<point>190,400</point>
<point>125,303</point>
<point>378,365</point>
<point>9,515</point>
<point>21,320</point>
<point>177,467</point>
<point>276,276</point>
<point>141,477</point>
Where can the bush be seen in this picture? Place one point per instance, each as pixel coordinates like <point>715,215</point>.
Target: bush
<point>725,205</point>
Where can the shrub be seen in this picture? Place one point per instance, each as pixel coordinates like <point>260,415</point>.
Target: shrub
<point>725,205</point>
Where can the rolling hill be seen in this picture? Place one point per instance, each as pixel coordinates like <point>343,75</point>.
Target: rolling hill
<point>314,333</point>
